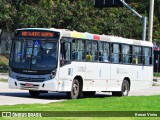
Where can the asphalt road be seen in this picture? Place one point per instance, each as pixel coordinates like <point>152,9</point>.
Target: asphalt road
<point>15,96</point>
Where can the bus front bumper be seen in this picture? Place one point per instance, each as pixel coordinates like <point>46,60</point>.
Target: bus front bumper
<point>49,85</point>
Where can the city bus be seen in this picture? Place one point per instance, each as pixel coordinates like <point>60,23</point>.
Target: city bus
<point>46,60</point>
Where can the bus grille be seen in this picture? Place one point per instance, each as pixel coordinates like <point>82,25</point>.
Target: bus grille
<point>27,79</point>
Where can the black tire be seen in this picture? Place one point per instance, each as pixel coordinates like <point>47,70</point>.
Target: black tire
<point>34,93</point>
<point>89,94</point>
<point>124,89</point>
<point>76,90</point>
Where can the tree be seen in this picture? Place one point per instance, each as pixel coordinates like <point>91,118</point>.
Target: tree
<point>79,15</point>
<point>6,15</point>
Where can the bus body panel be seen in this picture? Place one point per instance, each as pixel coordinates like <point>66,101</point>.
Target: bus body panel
<point>65,78</point>
<point>98,73</point>
<point>67,73</point>
<point>101,83</point>
<point>141,77</point>
<point>118,74</point>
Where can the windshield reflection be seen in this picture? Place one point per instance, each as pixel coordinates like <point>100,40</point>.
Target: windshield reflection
<point>34,54</point>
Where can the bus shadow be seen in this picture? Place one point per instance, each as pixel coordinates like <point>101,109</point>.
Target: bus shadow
<point>47,96</point>
<point>102,95</point>
<point>43,96</point>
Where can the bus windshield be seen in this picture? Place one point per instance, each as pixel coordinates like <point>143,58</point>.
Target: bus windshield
<point>34,54</point>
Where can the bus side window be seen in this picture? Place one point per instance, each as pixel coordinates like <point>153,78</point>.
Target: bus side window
<point>65,53</point>
<point>126,54</point>
<point>150,60</point>
<point>104,52</point>
<point>146,55</point>
<point>116,53</point>
<point>78,50</point>
<point>91,51</point>
<point>137,55</point>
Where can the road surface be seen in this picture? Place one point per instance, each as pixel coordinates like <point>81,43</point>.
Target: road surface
<point>15,96</point>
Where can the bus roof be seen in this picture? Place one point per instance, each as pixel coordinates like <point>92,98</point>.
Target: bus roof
<point>108,38</point>
<point>90,36</point>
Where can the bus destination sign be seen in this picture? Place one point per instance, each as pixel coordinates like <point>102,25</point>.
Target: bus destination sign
<point>37,34</point>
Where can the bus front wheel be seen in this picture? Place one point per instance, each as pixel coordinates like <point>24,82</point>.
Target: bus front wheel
<point>75,90</point>
<point>124,89</point>
<point>34,93</point>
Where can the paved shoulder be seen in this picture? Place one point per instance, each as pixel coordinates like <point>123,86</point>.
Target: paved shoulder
<point>154,90</point>
<point>15,96</point>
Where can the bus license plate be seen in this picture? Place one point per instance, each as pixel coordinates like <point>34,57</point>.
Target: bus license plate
<point>28,85</point>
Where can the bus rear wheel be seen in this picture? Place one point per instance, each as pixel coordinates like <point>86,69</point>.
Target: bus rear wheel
<point>124,89</point>
<point>76,91</point>
<point>34,93</point>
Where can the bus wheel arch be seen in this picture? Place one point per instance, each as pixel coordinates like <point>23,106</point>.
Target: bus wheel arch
<point>125,88</point>
<point>77,86</point>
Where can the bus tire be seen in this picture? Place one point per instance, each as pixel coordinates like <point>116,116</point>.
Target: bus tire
<point>124,89</point>
<point>75,90</point>
<point>34,93</point>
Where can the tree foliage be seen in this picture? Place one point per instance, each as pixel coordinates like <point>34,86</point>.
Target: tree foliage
<point>79,15</point>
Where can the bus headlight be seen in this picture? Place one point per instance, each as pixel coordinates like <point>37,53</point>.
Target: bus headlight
<point>53,74</point>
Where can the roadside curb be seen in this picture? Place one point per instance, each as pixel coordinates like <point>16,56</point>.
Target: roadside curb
<point>156,81</point>
<point>156,84</point>
<point>156,77</point>
<point>3,73</point>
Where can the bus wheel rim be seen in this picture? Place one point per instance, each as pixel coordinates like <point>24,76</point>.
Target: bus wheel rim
<point>75,89</point>
<point>125,91</point>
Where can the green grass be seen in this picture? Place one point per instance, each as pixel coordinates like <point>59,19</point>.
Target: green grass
<point>3,80</point>
<point>156,74</point>
<point>131,103</point>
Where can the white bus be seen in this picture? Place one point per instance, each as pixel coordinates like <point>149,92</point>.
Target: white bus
<point>59,60</point>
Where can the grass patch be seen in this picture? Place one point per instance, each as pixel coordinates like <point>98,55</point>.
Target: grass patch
<point>4,63</point>
<point>3,80</point>
<point>156,74</point>
<point>131,103</point>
